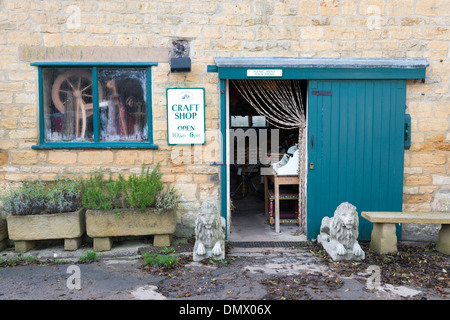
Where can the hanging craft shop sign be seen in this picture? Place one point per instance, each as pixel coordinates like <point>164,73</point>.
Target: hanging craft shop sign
<point>185,116</point>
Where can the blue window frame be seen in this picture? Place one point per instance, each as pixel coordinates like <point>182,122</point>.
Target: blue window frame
<point>95,105</point>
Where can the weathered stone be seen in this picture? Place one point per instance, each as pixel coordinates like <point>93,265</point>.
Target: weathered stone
<point>428,159</point>
<point>162,240</point>
<point>339,234</point>
<point>21,246</point>
<point>46,226</point>
<point>443,243</point>
<point>209,234</point>
<point>129,222</point>
<point>383,239</point>
<point>441,201</point>
<point>420,232</point>
<point>102,244</point>
<point>72,244</point>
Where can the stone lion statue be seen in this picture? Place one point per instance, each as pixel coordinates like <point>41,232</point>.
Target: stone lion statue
<point>209,234</point>
<point>339,234</point>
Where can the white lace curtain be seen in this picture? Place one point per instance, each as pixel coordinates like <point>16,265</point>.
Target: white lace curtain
<point>280,101</point>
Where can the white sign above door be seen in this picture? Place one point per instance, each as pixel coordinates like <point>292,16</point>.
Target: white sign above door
<point>265,73</point>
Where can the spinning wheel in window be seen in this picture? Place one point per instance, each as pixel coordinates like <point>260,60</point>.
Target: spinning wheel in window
<point>73,90</point>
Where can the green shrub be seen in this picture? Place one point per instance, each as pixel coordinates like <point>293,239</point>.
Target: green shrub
<point>138,191</point>
<point>35,197</point>
<point>94,195</point>
<point>143,189</point>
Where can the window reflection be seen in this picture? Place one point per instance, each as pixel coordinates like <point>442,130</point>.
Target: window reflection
<point>68,104</point>
<point>123,109</point>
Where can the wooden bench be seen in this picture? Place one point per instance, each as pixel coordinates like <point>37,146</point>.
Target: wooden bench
<point>384,239</point>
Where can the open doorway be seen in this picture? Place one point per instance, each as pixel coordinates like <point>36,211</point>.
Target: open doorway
<point>249,217</point>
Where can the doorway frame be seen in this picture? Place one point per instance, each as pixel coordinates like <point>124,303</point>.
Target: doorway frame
<point>298,68</point>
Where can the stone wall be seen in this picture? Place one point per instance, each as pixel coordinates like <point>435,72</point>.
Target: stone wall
<point>35,30</point>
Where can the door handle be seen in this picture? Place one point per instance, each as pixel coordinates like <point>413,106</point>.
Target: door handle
<point>312,141</point>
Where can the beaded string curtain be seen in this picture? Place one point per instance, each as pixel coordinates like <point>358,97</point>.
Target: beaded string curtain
<point>280,101</point>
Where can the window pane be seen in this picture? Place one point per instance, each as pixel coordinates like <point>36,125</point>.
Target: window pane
<point>258,121</point>
<point>68,104</point>
<point>123,104</point>
<point>239,121</point>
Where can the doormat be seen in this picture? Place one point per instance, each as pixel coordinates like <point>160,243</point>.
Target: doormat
<point>266,244</point>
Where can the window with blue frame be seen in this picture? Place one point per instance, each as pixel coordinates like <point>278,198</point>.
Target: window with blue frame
<point>95,105</point>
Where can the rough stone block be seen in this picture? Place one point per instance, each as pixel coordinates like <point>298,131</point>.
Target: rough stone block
<point>428,159</point>
<point>72,244</point>
<point>62,157</point>
<point>441,201</point>
<point>103,244</point>
<point>129,222</point>
<point>443,243</point>
<point>433,125</point>
<point>96,157</point>
<point>46,226</point>
<point>22,246</point>
<point>162,240</point>
<point>384,239</point>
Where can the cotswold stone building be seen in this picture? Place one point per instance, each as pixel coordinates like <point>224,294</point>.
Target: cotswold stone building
<point>88,85</point>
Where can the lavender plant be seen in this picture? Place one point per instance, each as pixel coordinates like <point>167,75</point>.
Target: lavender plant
<point>63,196</point>
<point>167,200</point>
<point>26,198</point>
<point>35,197</point>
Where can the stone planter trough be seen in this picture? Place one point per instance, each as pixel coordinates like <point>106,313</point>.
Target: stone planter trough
<point>25,230</point>
<point>103,225</point>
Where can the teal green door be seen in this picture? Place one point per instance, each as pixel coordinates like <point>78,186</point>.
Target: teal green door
<point>355,148</point>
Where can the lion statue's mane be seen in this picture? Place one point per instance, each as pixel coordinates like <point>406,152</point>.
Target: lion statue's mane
<point>339,234</point>
<point>209,234</point>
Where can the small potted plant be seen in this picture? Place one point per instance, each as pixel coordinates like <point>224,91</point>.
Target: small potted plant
<point>135,206</point>
<point>39,211</point>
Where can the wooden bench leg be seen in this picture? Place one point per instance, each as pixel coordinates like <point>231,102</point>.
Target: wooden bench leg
<point>443,243</point>
<point>384,239</point>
